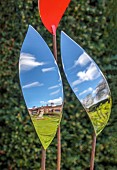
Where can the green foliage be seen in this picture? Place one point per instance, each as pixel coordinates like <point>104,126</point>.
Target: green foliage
<point>93,25</point>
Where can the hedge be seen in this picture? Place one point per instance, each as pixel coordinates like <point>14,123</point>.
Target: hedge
<point>93,25</point>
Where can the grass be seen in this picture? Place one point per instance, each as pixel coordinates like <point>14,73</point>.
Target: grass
<point>46,128</point>
<point>99,115</point>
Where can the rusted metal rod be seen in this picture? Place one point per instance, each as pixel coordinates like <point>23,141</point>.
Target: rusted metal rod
<point>43,159</point>
<point>54,42</point>
<point>58,131</point>
<point>93,152</point>
<point>59,148</point>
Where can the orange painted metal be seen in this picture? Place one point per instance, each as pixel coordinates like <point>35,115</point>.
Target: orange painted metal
<point>51,12</point>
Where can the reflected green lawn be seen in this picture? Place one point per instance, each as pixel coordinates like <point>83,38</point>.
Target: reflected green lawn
<point>99,114</point>
<point>46,128</point>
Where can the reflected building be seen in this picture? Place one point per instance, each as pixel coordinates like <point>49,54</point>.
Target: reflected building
<point>102,91</point>
<point>87,82</point>
<point>39,111</point>
<point>88,101</point>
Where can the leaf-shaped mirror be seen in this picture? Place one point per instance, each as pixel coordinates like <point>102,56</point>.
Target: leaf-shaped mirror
<point>41,86</point>
<point>51,12</point>
<point>87,82</point>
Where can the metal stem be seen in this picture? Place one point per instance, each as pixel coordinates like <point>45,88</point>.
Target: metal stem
<point>59,149</point>
<point>43,159</point>
<point>58,131</point>
<point>54,42</point>
<point>93,152</point>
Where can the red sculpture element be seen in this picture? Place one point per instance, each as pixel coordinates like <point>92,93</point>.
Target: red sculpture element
<point>51,12</point>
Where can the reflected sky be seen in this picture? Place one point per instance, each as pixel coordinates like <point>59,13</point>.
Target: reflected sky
<point>39,75</point>
<point>87,82</point>
<point>82,73</point>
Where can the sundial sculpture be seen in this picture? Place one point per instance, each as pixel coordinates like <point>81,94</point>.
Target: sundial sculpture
<point>41,82</point>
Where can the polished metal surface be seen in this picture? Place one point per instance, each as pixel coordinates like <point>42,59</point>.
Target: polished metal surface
<point>41,86</point>
<point>87,82</point>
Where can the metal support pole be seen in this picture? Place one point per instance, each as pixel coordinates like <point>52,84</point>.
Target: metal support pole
<point>93,152</point>
<point>43,159</point>
<point>59,149</point>
<point>58,131</point>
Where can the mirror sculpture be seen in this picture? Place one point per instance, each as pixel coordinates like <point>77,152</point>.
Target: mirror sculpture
<point>87,82</point>
<point>41,86</point>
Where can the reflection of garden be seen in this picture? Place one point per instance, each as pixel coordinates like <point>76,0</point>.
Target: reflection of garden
<point>99,114</point>
<point>46,127</point>
<point>101,93</point>
<point>51,110</point>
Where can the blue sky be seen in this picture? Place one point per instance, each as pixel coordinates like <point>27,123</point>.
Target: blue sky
<point>39,75</point>
<point>81,71</point>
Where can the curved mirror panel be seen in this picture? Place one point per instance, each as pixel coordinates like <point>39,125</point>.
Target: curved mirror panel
<point>41,86</point>
<point>87,82</point>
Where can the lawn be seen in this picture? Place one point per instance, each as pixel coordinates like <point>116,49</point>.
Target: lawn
<point>100,114</point>
<point>46,128</point>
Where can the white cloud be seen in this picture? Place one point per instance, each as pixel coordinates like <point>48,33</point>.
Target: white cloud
<point>82,60</point>
<point>94,91</point>
<point>91,73</point>
<point>54,87</point>
<point>75,89</point>
<point>48,69</point>
<point>34,84</point>
<point>28,62</point>
<point>55,92</point>
<point>56,101</point>
<point>76,82</point>
<point>43,102</point>
<point>86,91</point>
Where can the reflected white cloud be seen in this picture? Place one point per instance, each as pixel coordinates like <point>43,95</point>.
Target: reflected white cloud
<point>54,87</point>
<point>94,91</point>
<point>56,101</point>
<point>48,69</point>
<point>43,102</point>
<point>91,73</point>
<point>55,92</point>
<point>75,89</point>
<point>82,60</point>
<point>76,82</point>
<point>28,62</point>
<point>34,84</point>
<point>86,91</point>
